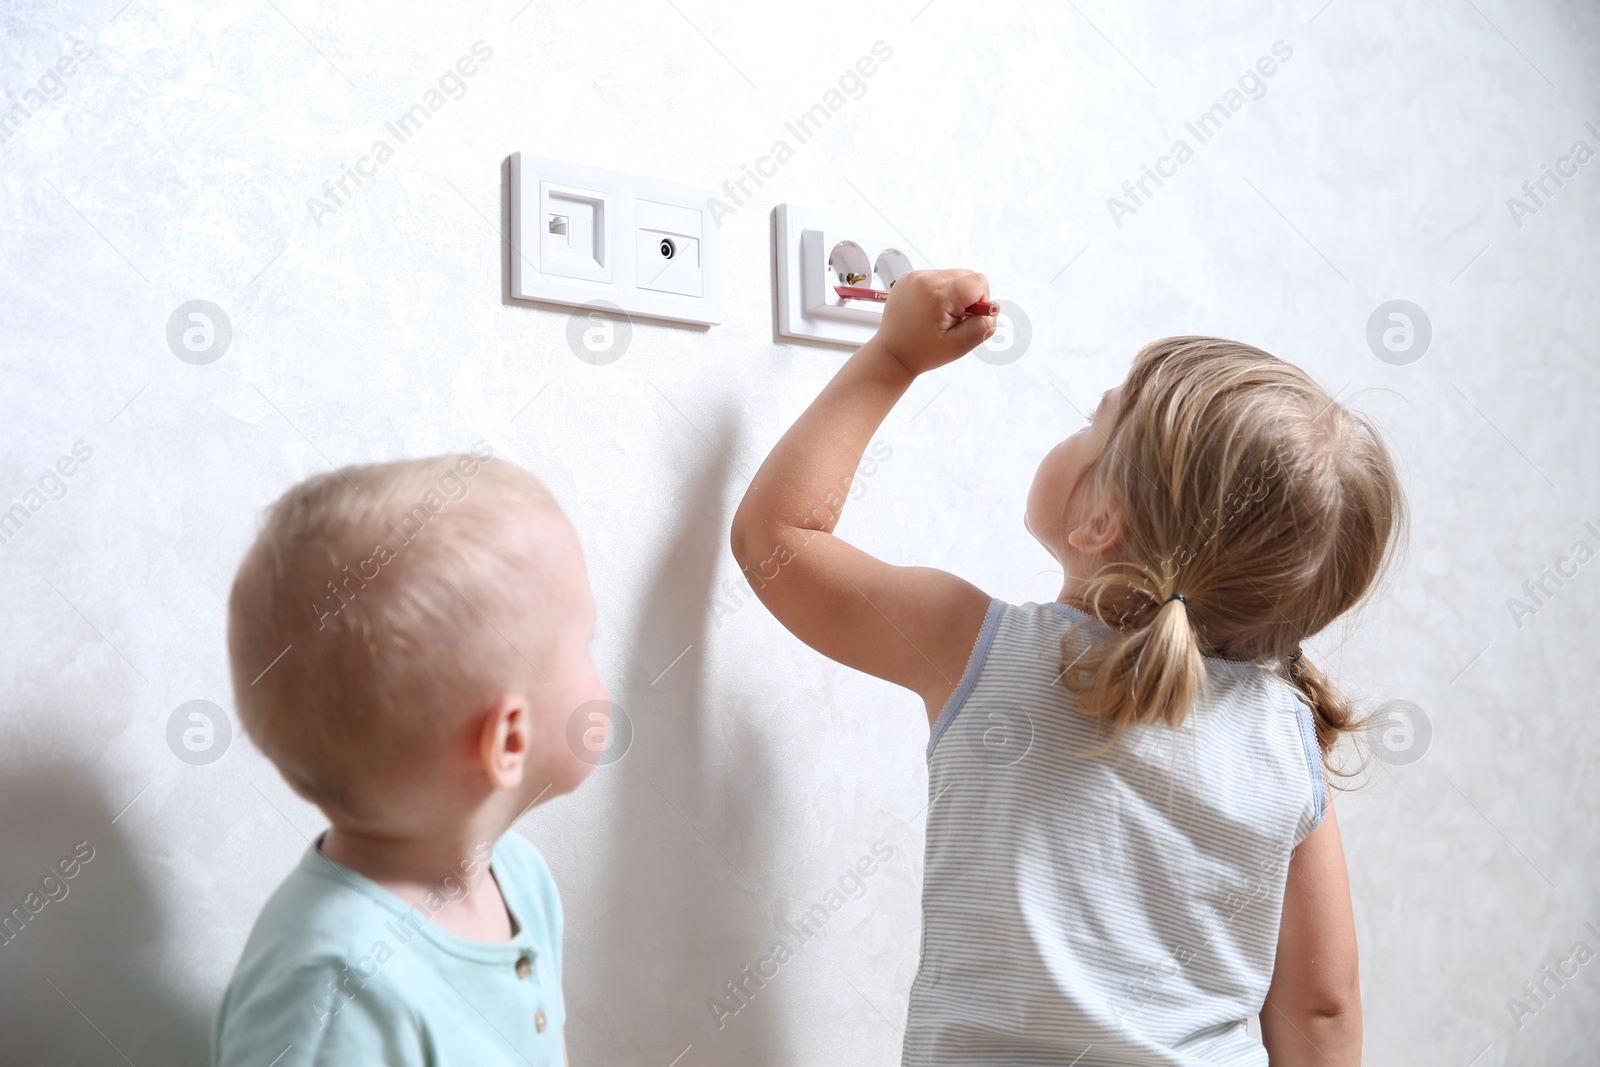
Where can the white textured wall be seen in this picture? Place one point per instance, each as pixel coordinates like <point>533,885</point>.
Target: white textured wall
<point>176,162</point>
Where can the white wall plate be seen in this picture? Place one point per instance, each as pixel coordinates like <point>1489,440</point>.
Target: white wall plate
<point>817,250</point>
<point>583,234</point>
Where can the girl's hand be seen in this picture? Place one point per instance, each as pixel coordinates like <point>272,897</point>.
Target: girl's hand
<point>925,324</point>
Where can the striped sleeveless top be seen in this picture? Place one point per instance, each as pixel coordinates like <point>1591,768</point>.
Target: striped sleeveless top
<point>1092,910</point>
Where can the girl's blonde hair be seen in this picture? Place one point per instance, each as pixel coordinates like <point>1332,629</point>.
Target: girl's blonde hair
<point>1257,511</point>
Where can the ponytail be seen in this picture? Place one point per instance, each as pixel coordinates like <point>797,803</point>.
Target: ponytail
<point>1331,713</point>
<point>1150,671</point>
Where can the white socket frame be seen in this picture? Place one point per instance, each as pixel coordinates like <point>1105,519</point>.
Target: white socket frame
<point>627,205</point>
<point>808,307</point>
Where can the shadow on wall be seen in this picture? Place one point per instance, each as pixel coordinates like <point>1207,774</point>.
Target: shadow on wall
<point>81,976</point>
<point>678,913</point>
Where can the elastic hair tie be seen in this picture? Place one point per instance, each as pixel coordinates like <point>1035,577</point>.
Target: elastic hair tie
<point>1294,655</point>
<point>1179,597</point>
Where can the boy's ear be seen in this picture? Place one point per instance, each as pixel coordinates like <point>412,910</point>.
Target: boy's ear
<point>504,740</point>
<point>1101,534</point>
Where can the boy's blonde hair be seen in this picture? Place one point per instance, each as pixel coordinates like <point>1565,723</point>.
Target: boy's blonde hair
<point>1249,493</point>
<point>376,608</point>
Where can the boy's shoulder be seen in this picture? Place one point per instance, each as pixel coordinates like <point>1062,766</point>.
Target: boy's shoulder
<point>318,906</point>
<point>340,968</point>
<point>515,856</point>
<point>311,942</point>
<point>525,878</point>
<point>322,910</point>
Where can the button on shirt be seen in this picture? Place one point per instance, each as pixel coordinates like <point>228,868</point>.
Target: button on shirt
<point>338,970</point>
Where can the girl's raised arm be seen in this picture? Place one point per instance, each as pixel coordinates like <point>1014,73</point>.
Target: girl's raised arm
<point>913,626</point>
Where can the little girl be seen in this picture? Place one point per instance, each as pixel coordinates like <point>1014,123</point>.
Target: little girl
<point>1130,843</point>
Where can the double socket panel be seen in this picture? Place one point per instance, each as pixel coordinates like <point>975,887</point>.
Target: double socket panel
<point>818,251</point>
<point>583,234</point>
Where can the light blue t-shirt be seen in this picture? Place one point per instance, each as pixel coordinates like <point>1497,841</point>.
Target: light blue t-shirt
<point>1103,909</point>
<point>339,971</point>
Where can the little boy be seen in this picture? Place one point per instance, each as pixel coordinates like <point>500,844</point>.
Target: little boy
<point>408,641</point>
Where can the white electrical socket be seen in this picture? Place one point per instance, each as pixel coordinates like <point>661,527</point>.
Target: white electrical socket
<point>667,248</point>
<point>817,251</point>
<point>582,234</point>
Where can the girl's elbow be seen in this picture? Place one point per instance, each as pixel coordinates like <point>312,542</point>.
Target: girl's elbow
<point>1337,1012</point>
<point>1335,1029</point>
<point>1335,1006</point>
<point>1312,1032</point>
<point>1343,999</point>
<point>742,538</point>
<point>739,530</point>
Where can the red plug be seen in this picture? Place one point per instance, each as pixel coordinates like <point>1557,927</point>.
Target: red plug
<point>856,292</point>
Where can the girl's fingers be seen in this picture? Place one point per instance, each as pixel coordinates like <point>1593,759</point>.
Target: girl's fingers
<point>972,331</point>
